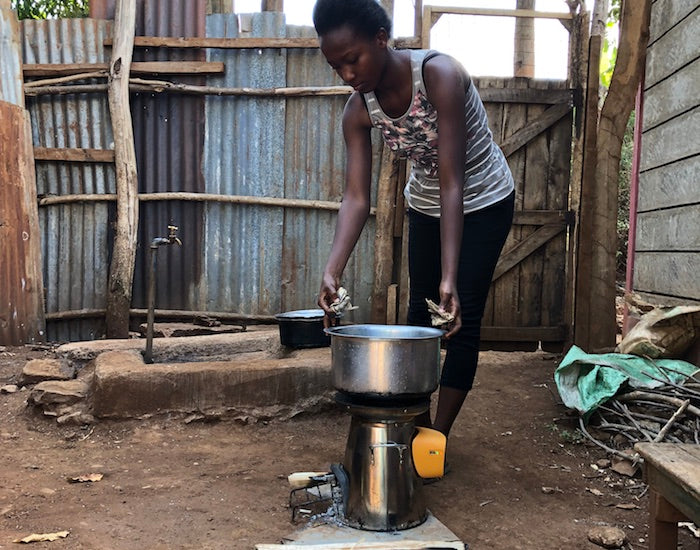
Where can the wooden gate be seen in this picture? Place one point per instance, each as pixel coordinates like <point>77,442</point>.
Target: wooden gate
<point>532,122</point>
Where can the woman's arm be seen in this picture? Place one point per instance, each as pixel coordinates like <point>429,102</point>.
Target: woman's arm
<point>354,210</point>
<point>446,83</point>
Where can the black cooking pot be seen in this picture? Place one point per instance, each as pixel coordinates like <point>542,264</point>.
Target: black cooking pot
<point>303,328</point>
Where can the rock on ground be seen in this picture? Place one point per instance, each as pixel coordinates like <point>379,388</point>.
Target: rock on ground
<point>41,370</point>
<point>607,537</point>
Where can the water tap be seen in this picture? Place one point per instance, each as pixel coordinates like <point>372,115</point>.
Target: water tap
<point>170,239</point>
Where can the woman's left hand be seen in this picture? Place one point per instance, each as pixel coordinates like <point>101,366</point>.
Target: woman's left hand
<point>449,301</point>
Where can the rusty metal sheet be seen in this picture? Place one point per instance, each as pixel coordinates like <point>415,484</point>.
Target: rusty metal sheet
<point>76,236</point>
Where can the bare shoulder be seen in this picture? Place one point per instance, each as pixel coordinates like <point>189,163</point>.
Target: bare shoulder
<point>443,74</point>
<point>355,115</point>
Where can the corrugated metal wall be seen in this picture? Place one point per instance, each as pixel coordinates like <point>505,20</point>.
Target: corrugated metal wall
<point>237,258</point>
<point>76,237</point>
<point>169,136</point>
<point>313,172</point>
<point>243,155</point>
<point>10,58</point>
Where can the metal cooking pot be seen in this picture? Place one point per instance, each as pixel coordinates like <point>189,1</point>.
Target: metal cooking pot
<point>385,360</point>
<point>302,328</point>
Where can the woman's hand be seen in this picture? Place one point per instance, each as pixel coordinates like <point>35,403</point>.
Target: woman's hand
<point>326,296</point>
<point>449,301</point>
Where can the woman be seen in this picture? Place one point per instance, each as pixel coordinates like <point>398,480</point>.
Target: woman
<point>460,191</point>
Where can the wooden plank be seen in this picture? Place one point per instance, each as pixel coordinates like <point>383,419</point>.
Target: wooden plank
<point>442,10</point>
<point>554,265</point>
<point>671,185</point>
<point>543,217</point>
<point>667,13</point>
<point>673,470</point>
<point>673,50</point>
<point>523,334</point>
<point>663,532</point>
<point>669,142</point>
<point>140,67</point>
<point>220,43</point>
<point>537,159</point>
<point>670,273</point>
<point>673,96</point>
<point>73,154</point>
<point>384,235</point>
<point>669,229</point>
<point>526,95</point>
<point>533,129</point>
<point>404,283</point>
<point>121,272</point>
<point>21,291</point>
<point>392,304</point>
<point>527,246</point>
<point>503,301</point>
<point>281,202</point>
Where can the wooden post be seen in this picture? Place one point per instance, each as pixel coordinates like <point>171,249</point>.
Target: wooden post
<point>524,61</point>
<point>619,102</point>
<point>121,273</point>
<point>220,6</point>
<point>426,26</point>
<point>578,63</point>
<point>418,19</point>
<point>384,235</point>
<point>272,5</point>
<point>584,286</point>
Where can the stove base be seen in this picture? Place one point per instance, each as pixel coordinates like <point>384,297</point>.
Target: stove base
<point>430,534</point>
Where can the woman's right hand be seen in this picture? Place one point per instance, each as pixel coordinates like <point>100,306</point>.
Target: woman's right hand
<point>326,296</point>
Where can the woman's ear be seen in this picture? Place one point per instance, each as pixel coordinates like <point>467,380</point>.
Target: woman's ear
<point>382,37</point>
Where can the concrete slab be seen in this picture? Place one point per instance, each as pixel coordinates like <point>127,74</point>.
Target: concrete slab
<point>260,385</point>
<point>217,347</point>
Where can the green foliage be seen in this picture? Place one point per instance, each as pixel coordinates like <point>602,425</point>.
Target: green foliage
<point>48,9</point>
<point>623,198</point>
<point>574,437</point>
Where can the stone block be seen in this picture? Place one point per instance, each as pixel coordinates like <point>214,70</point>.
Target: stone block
<point>41,370</point>
<point>58,392</point>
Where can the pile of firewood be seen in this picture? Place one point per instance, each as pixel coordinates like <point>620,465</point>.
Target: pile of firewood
<point>669,413</point>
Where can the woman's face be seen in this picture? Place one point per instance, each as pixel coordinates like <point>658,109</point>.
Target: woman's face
<point>358,60</point>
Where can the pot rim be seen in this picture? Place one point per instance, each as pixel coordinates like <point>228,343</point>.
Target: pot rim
<point>301,315</point>
<point>428,333</point>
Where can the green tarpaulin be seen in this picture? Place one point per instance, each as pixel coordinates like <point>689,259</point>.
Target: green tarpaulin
<point>585,381</point>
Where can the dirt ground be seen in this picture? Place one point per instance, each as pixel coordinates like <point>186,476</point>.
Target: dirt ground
<point>172,485</point>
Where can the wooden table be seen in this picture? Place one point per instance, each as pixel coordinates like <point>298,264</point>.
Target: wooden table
<point>673,474</point>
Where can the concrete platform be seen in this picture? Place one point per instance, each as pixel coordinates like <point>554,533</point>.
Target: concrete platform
<point>431,535</point>
<point>253,384</point>
<point>216,347</point>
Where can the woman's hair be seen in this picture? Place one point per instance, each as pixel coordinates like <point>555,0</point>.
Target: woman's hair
<point>365,17</point>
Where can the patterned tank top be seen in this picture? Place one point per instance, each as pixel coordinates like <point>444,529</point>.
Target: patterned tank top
<point>487,178</point>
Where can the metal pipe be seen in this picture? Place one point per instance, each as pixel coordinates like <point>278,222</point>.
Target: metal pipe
<point>150,318</point>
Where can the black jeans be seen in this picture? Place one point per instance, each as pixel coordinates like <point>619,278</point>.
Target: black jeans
<point>485,232</point>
